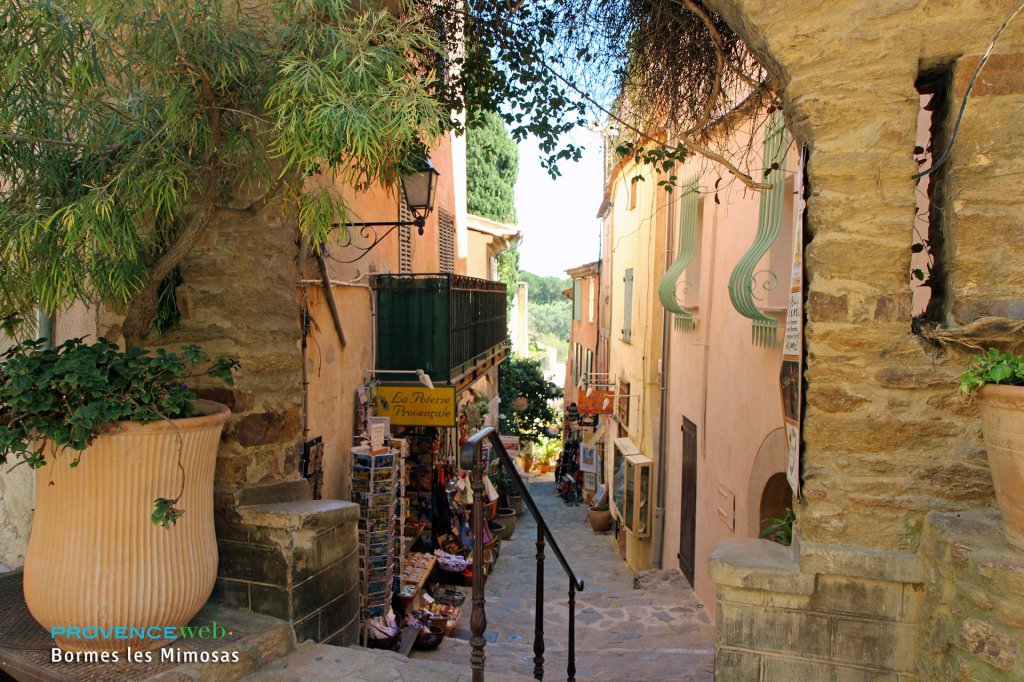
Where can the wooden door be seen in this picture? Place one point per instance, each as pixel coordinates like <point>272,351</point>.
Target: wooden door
<point>688,507</point>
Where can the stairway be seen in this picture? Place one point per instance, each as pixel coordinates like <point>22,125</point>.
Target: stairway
<point>312,662</point>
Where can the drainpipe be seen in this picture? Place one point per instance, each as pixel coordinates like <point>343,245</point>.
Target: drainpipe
<point>44,330</point>
<point>659,500</point>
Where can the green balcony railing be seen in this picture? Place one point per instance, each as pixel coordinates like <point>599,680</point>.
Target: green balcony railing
<point>444,324</point>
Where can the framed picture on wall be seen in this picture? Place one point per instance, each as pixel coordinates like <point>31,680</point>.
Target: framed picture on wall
<point>590,481</point>
<point>588,459</point>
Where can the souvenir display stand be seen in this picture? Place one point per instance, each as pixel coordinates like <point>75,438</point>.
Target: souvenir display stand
<point>373,489</point>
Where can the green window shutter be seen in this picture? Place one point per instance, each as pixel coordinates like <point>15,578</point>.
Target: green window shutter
<point>744,280</point>
<point>627,307</point>
<point>577,299</point>
<point>687,248</point>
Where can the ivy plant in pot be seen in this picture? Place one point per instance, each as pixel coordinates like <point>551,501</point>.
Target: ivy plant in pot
<point>124,454</point>
<point>997,380</point>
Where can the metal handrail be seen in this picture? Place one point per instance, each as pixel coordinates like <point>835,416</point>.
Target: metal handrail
<point>472,458</point>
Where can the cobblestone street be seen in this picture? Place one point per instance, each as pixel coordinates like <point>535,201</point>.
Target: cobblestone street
<point>657,633</point>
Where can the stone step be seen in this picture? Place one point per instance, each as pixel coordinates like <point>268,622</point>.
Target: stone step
<point>312,662</point>
<point>247,640</point>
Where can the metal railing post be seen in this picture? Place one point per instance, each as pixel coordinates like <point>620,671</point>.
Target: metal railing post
<point>571,669</point>
<point>538,627</point>
<point>473,460</point>
<point>478,620</point>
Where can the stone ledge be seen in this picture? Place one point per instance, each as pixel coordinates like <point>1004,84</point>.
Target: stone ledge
<point>263,493</point>
<point>977,530</point>
<point>860,562</point>
<point>300,514</point>
<point>758,564</point>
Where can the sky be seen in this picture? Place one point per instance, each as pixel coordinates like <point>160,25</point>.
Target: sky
<point>557,217</point>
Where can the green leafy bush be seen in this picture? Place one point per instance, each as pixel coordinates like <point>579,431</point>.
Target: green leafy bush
<point>780,530</point>
<point>68,395</point>
<point>992,367</point>
<point>526,396</point>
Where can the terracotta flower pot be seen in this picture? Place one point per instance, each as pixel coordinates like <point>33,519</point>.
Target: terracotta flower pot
<point>507,518</point>
<point>1002,423</point>
<point>600,520</point>
<point>96,559</point>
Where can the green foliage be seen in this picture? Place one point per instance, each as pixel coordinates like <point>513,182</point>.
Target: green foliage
<point>126,126</point>
<point>526,397</point>
<point>992,367</point>
<point>552,319</point>
<point>548,449</point>
<point>545,289</point>
<point>502,479</point>
<point>492,166</point>
<point>68,395</point>
<point>508,272</point>
<point>780,530</point>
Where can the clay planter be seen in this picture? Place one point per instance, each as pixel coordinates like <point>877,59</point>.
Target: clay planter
<point>600,520</point>
<point>1002,423</point>
<point>96,559</point>
<point>498,530</point>
<point>516,502</point>
<point>507,518</point>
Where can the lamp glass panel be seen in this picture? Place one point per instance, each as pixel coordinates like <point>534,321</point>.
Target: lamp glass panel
<point>420,187</point>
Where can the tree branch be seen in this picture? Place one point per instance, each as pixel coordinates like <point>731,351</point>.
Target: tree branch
<point>258,204</point>
<point>716,87</point>
<point>14,137</point>
<point>684,139</point>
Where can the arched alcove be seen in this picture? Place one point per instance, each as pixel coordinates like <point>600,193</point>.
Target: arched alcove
<point>769,464</point>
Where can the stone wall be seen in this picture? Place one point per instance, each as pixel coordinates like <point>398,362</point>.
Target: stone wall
<point>238,299</point>
<point>886,438</point>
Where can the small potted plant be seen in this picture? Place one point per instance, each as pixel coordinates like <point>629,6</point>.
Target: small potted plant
<point>124,455</point>
<point>997,380</point>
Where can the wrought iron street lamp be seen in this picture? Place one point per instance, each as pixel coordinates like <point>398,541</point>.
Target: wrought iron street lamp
<point>419,189</point>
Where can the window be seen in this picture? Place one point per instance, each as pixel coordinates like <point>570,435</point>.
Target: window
<point>591,303</point>
<point>747,283</point>
<point>446,241</point>
<point>588,365</point>
<point>576,363</point>
<point>780,256</point>
<point>683,275</point>
<point>928,280</point>
<point>622,408</point>
<point>577,299</point>
<point>691,290</point>
<point>627,306</point>
<point>632,191</point>
<point>404,237</point>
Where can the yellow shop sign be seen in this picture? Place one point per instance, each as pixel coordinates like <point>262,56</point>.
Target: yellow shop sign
<point>416,405</point>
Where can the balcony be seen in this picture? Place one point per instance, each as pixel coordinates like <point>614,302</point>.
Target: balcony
<point>451,326</point>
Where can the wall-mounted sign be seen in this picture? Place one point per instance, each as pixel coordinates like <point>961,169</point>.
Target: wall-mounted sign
<point>511,444</point>
<point>598,402</point>
<point>416,405</point>
<point>791,375</point>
